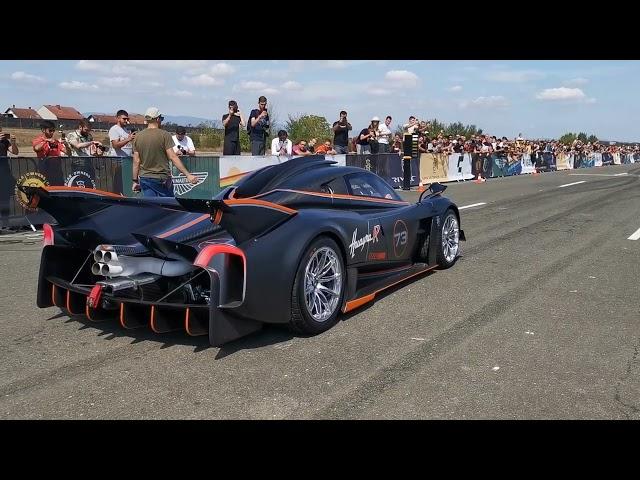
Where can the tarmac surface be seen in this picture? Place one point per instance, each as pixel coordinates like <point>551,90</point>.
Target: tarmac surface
<point>539,319</point>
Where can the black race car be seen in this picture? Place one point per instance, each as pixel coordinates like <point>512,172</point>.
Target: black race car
<point>295,243</point>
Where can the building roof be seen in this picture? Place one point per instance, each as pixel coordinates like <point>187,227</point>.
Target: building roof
<point>65,113</point>
<point>103,118</point>
<point>23,112</point>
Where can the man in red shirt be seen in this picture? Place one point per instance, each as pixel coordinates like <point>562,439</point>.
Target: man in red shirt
<point>46,146</point>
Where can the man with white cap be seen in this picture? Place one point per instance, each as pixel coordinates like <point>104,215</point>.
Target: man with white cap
<point>152,150</point>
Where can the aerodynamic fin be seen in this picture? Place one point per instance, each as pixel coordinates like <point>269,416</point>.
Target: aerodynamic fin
<point>243,219</point>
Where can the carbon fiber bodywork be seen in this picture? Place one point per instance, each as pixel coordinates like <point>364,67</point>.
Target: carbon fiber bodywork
<point>244,248</point>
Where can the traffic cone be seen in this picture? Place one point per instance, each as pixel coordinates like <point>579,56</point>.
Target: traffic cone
<point>479,179</point>
<point>420,187</point>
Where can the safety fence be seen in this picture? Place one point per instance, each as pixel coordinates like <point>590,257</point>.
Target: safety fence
<point>114,174</point>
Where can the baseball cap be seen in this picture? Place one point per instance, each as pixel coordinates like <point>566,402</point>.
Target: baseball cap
<point>152,113</point>
<point>375,119</point>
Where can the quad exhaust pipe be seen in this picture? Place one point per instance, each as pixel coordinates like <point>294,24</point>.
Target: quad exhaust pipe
<point>109,264</point>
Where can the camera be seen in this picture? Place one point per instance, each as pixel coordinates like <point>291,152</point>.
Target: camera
<point>182,149</point>
<point>53,145</point>
<point>132,129</point>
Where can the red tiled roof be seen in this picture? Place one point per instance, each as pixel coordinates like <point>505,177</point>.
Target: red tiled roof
<point>65,113</point>
<point>23,112</point>
<point>136,119</point>
<point>103,118</point>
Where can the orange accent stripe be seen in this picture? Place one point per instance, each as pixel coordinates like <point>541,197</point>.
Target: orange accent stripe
<point>218,217</point>
<point>186,322</point>
<point>86,311</point>
<point>262,203</point>
<point>353,304</point>
<point>122,316</point>
<point>53,295</point>
<point>68,306</point>
<point>152,323</point>
<point>337,195</point>
<point>91,191</point>
<point>183,227</point>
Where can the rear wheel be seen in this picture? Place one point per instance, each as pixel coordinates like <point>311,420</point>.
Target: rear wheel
<point>448,240</point>
<point>318,288</point>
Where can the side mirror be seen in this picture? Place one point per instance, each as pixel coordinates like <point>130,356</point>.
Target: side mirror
<point>436,188</point>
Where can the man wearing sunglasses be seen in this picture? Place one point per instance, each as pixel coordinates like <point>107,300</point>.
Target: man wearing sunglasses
<point>121,136</point>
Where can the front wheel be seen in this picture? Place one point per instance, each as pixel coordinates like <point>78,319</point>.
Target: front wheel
<point>318,288</point>
<point>448,241</point>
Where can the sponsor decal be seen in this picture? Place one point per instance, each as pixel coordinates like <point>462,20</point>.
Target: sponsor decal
<point>401,179</point>
<point>361,242</point>
<point>400,238</point>
<point>80,179</point>
<point>181,185</point>
<point>29,179</point>
<point>377,256</point>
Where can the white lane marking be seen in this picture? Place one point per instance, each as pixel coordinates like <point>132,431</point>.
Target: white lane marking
<point>600,174</point>
<point>569,184</point>
<point>472,205</point>
<point>635,236</point>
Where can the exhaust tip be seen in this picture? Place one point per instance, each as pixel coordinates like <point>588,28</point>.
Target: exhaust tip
<point>98,255</point>
<point>107,257</point>
<point>95,269</point>
<point>104,269</point>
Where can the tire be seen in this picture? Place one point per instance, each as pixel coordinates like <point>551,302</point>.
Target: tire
<point>447,241</point>
<point>318,310</point>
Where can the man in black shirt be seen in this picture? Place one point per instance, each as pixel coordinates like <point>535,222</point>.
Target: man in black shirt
<point>341,134</point>
<point>260,124</point>
<point>232,122</point>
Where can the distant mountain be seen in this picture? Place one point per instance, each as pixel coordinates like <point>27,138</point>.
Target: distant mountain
<point>183,120</point>
<point>186,121</point>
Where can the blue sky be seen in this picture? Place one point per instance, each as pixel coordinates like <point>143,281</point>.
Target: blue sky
<point>537,98</point>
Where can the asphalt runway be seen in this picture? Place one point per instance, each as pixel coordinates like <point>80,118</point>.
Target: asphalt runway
<point>539,319</point>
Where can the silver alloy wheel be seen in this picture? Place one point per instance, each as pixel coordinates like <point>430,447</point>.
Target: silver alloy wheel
<point>322,283</point>
<point>450,238</point>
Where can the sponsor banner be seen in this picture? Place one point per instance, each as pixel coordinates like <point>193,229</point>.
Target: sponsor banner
<point>459,167</point>
<point>562,161</point>
<point>234,167</point>
<point>104,173</point>
<point>205,169</point>
<point>387,166</point>
<point>434,167</point>
<point>527,164</point>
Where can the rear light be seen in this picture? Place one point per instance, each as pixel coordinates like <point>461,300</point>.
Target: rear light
<point>48,235</point>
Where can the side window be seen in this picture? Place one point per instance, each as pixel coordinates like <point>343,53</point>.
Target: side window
<point>369,185</point>
<point>336,185</point>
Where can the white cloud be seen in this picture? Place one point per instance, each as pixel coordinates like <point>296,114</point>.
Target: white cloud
<point>203,80</point>
<point>91,66</point>
<point>76,85</point>
<point>167,64</point>
<point>114,81</point>
<point>515,76</point>
<point>561,93</point>
<point>221,69</point>
<point>574,82</point>
<point>291,85</point>
<point>250,86</point>
<point>455,88</point>
<point>336,64</point>
<point>494,101</point>
<point>180,93</point>
<point>270,91</point>
<point>401,79</point>
<point>27,77</point>
<point>378,91</point>
<point>153,84</point>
